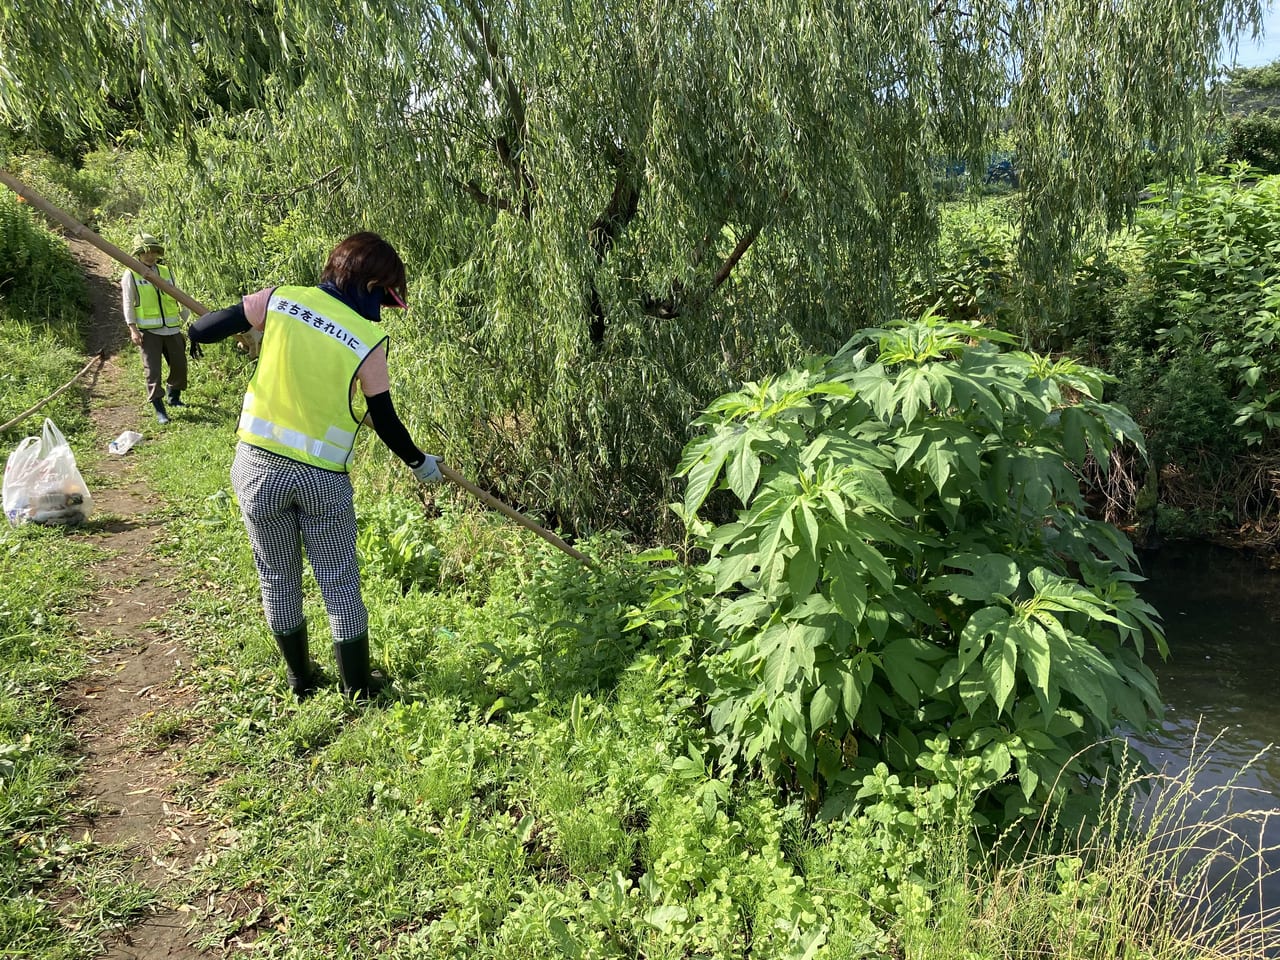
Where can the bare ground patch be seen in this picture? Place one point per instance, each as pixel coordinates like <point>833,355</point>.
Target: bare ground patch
<point>127,710</point>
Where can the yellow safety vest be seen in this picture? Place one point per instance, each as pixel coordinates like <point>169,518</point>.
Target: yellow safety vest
<point>298,404</point>
<point>155,308</point>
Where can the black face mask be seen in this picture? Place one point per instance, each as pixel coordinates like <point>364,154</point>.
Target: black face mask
<point>367,303</point>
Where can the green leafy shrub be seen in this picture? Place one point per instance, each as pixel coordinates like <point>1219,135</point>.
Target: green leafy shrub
<point>395,542</point>
<point>111,182</point>
<point>574,635</point>
<point>976,270</point>
<point>39,281</point>
<point>912,560</point>
<point>977,277</point>
<point>43,302</point>
<point>1210,292</point>
<point>1254,138</point>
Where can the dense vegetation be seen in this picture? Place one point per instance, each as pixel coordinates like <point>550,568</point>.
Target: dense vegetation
<point>612,212</point>
<point>43,303</point>
<point>868,608</point>
<point>542,785</point>
<point>870,686</point>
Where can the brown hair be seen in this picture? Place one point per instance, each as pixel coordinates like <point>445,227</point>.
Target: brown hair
<point>364,261</point>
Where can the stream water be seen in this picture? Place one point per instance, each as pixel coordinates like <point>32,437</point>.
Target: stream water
<point>1221,689</point>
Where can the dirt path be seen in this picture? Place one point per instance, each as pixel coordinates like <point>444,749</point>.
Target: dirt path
<point>129,707</point>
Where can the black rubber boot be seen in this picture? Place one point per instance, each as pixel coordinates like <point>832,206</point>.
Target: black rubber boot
<point>174,398</point>
<point>300,672</point>
<point>357,680</point>
<point>162,416</point>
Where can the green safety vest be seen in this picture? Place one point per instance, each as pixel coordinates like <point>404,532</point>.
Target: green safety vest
<point>155,308</point>
<point>298,404</point>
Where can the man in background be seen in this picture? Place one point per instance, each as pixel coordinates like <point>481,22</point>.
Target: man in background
<point>155,322</point>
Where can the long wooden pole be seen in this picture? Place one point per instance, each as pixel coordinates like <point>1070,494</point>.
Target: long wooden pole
<point>78,229</point>
<point>454,477</point>
<point>66,386</point>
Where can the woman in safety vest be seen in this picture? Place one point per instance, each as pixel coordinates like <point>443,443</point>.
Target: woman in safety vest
<point>296,434</point>
<point>155,322</point>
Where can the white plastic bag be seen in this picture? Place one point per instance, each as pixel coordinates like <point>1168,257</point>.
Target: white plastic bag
<point>42,483</point>
<point>124,443</point>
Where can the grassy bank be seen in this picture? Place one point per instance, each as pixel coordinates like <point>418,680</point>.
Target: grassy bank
<point>59,893</point>
<point>537,786</point>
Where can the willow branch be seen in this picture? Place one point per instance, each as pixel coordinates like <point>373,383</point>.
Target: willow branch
<point>485,199</point>
<point>278,195</point>
<point>623,205</point>
<point>674,304</point>
<point>509,146</point>
<point>731,261</point>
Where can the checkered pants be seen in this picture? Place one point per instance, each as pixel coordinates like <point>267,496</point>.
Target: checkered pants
<point>286,506</point>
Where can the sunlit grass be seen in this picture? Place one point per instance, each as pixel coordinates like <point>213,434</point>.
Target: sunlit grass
<point>502,804</point>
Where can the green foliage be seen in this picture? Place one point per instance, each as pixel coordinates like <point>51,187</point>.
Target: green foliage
<point>589,822</point>
<point>394,543</point>
<point>613,212</point>
<point>975,276</point>
<point>55,180</point>
<point>1204,319</point>
<point>1254,138</point>
<point>40,284</point>
<point>573,634</point>
<point>912,560</point>
<point>43,302</point>
<point>1265,77</point>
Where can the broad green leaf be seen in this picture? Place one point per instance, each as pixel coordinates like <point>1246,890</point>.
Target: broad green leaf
<point>731,569</point>
<point>1000,663</point>
<point>846,585</point>
<point>802,571</point>
<point>871,560</point>
<point>906,446</point>
<point>743,473</point>
<point>822,708</point>
<point>973,691</point>
<point>705,471</point>
<point>992,575</point>
<point>937,463</point>
<point>987,622</point>
<point>1037,662</point>
<point>850,696</point>
<point>908,666</point>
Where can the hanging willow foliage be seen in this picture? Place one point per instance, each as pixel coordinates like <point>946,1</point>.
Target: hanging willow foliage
<point>613,211</point>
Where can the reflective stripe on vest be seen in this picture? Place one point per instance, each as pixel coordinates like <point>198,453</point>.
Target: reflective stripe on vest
<point>298,404</point>
<point>155,308</point>
<point>333,449</point>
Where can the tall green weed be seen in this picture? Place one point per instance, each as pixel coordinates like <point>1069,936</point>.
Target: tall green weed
<point>911,560</point>
<point>1213,292</point>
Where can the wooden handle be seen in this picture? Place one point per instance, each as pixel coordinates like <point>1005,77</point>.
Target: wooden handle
<point>454,477</point>
<point>78,229</point>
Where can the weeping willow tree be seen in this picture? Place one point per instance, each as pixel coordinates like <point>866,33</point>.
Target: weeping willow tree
<point>612,211</point>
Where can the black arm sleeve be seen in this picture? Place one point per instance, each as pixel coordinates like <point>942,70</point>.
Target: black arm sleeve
<point>386,423</point>
<point>219,325</point>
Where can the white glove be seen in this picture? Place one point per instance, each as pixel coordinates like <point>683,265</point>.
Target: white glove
<point>428,471</point>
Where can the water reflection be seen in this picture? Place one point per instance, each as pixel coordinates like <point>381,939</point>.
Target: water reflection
<point>1221,688</point>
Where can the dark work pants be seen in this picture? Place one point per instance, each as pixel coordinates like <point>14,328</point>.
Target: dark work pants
<point>171,347</point>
